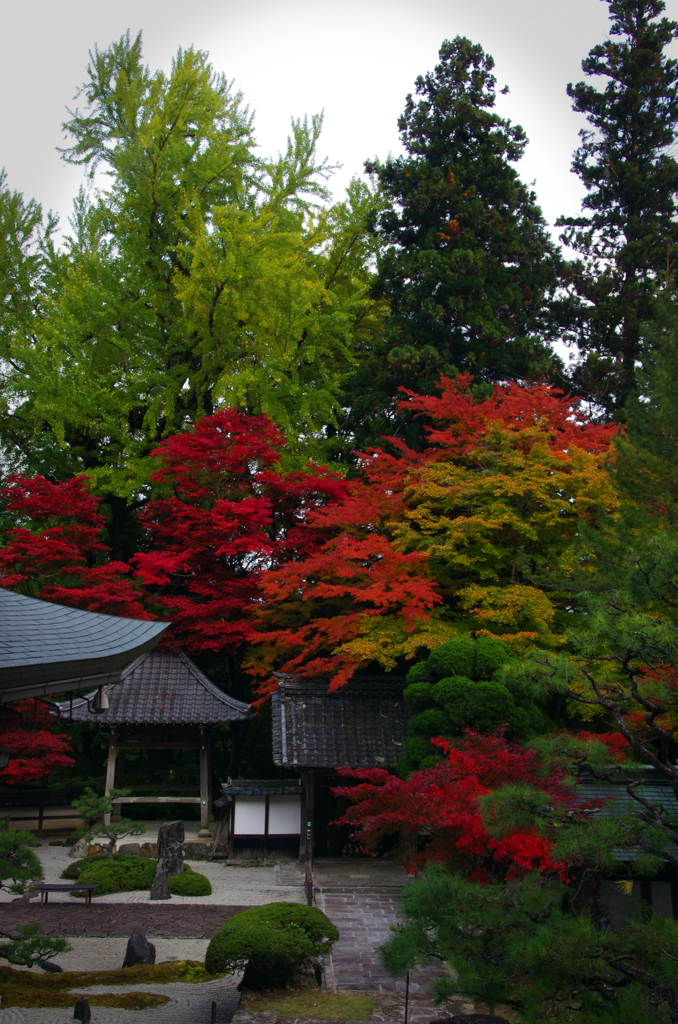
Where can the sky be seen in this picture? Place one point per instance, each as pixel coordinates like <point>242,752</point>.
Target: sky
<point>356,60</point>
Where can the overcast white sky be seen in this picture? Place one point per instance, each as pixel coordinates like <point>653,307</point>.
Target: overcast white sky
<point>356,59</point>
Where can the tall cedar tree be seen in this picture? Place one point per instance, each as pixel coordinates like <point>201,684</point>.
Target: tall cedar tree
<point>467,263</point>
<point>627,237</point>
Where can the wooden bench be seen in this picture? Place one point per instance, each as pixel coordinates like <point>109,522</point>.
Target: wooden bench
<point>45,888</point>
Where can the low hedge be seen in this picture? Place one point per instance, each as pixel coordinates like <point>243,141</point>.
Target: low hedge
<point>272,943</point>
<point>116,874</point>
<point>190,883</point>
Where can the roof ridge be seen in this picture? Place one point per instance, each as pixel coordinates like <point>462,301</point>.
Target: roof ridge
<point>207,683</point>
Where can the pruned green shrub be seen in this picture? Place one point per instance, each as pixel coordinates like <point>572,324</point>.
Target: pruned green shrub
<point>271,944</point>
<point>190,883</point>
<point>462,684</point>
<point>117,874</point>
<point>19,866</point>
<point>33,947</point>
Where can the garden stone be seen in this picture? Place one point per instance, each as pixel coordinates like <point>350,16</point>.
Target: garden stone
<point>51,968</point>
<point>159,885</point>
<point>139,950</point>
<point>170,858</point>
<point>82,1011</point>
<point>79,850</point>
<point>197,851</point>
<point>130,850</point>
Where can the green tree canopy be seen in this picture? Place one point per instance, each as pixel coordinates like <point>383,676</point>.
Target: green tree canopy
<point>627,236</point>
<point>198,275</point>
<point>467,264</point>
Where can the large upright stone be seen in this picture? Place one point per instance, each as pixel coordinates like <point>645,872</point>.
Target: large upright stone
<point>82,1011</point>
<point>170,858</point>
<point>139,950</point>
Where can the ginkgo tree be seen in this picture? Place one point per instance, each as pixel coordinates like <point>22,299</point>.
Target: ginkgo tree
<point>197,276</point>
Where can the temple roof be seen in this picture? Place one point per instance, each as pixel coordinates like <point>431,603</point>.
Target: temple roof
<point>363,725</point>
<point>162,688</point>
<point>48,648</point>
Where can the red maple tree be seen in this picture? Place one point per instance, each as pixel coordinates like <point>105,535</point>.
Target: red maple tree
<point>374,589</point>
<point>26,734</point>
<point>229,514</point>
<point>57,554</point>
<point>441,806</point>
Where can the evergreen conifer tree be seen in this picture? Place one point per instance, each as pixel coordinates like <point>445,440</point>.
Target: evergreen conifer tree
<point>627,236</point>
<point>466,263</point>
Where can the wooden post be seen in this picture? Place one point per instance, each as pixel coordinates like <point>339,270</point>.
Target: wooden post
<point>204,792</point>
<point>407,996</point>
<point>302,818</point>
<point>210,816</point>
<point>310,818</point>
<point>110,767</point>
<point>119,779</point>
<point>308,835</point>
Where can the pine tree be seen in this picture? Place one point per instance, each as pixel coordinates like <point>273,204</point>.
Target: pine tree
<point>467,263</point>
<point>627,236</point>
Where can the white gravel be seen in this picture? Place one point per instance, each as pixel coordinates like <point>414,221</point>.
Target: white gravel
<point>231,885</point>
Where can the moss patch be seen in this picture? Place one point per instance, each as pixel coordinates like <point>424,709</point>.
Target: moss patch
<point>25,988</point>
<point>311,1002</point>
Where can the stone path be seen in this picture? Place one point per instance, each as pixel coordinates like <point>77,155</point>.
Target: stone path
<point>361,898</point>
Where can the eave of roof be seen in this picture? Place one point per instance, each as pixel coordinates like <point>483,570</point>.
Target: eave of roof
<point>258,787</point>
<point>49,648</point>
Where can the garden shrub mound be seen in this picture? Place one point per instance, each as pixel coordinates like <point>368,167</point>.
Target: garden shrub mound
<point>112,874</point>
<point>462,684</point>
<point>190,883</point>
<point>23,988</point>
<point>272,944</point>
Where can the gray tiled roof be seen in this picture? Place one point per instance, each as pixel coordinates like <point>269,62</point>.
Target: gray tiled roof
<point>655,789</point>
<point>363,725</point>
<point>619,802</point>
<point>44,644</point>
<point>163,688</point>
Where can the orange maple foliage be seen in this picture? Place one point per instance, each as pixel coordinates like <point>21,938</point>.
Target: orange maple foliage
<point>456,539</point>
